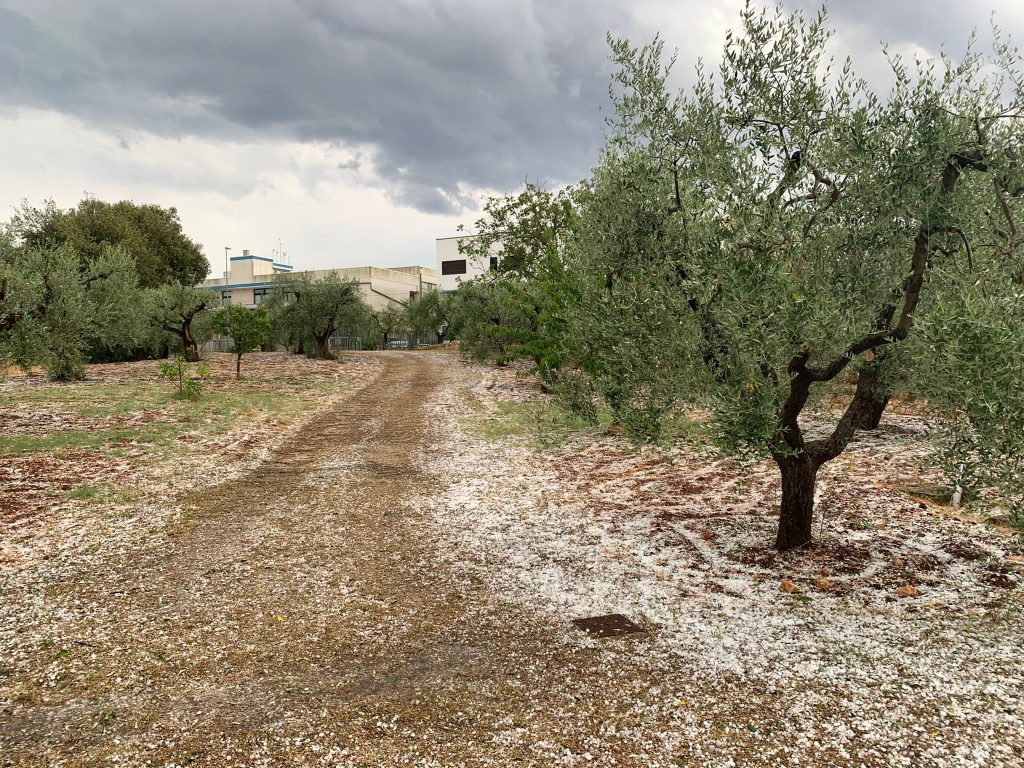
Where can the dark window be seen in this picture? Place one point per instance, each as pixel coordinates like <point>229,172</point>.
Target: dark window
<point>413,294</point>
<point>225,298</point>
<point>456,267</point>
<point>494,263</point>
<point>259,294</point>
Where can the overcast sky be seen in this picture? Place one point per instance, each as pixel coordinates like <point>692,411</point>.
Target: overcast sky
<point>356,132</point>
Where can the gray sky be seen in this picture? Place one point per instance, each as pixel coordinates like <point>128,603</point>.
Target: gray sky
<point>357,132</point>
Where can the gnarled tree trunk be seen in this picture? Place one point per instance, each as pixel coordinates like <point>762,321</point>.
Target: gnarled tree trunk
<point>188,343</point>
<point>796,514</point>
<point>800,460</point>
<point>870,388</point>
<point>872,416</point>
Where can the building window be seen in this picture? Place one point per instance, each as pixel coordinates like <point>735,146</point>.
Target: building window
<point>494,263</point>
<point>455,267</point>
<point>413,294</point>
<point>259,294</point>
<point>225,298</point>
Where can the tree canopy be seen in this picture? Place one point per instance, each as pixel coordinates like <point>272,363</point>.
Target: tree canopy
<point>780,235</point>
<point>307,311</point>
<point>150,234</point>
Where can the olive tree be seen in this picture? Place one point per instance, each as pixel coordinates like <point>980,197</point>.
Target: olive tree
<point>430,312</point>
<point>796,228</point>
<point>177,310</point>
<point>54,308</point>
<point>306,311</point>
<point>390,321</point>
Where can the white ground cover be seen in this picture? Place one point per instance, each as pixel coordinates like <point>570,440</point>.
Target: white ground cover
<point>898,639</point>
<point>62,540</point>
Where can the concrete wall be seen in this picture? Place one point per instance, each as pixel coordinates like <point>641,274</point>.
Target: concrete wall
<point>448,253</point>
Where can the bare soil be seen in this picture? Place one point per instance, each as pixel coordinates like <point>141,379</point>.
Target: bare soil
<point>294,610</point>
<point>333,606</point>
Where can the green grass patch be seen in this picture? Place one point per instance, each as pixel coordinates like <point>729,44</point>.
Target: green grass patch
<point>87,399</point>
<point>221,409</point>
<point>103,492</point>
<point>84,492</point>
<point>80,439</point>
<point>540,422</point>
<point>547,424</point>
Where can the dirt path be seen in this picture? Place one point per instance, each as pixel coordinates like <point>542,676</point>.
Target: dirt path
<point>380,593</point>
<point>298,612</point>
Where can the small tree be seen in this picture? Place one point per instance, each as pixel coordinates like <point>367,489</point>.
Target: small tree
<point>248,329</point>
<point>190,387</point>
<point>390,321</point>
<point>430,312</point>
<point>175,309</point>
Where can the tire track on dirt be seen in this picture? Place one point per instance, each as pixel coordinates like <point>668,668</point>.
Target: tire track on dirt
<point>305,598</point>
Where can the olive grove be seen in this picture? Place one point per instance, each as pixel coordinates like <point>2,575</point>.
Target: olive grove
<point>56,311</point>
<point>781,236</point>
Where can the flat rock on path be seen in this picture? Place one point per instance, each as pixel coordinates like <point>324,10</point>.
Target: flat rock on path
<point>298,612</point>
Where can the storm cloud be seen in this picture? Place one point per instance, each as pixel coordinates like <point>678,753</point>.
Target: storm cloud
<point>452,96</point>
<point>429,103</point>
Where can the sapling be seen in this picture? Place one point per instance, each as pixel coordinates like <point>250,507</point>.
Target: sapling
<point>189,383</point>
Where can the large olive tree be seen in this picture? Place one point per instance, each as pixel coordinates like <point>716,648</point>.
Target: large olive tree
<point>796,228</point>
<point>307,310</point>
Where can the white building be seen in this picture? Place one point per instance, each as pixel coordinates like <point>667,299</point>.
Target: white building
<point>454,267</point>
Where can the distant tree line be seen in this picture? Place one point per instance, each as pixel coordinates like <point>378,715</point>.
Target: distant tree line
<point>107,282</point>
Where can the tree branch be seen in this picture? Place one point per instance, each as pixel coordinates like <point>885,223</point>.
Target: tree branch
<point>1012,235</point>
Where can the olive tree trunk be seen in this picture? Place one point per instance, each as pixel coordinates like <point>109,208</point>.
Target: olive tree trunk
<point>796,514</point>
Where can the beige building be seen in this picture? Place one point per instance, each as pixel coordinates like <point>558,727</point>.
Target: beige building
<point>252,278</point>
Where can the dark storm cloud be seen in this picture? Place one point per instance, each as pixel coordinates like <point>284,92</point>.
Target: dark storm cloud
<point>452,95</point>
<point>449,94</point>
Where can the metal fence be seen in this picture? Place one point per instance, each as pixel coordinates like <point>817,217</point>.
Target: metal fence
<point>346,343</point>
<point>217,344</point>
<point>401,341</point>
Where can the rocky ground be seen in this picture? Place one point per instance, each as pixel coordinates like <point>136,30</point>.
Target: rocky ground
<point>389,577</point>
